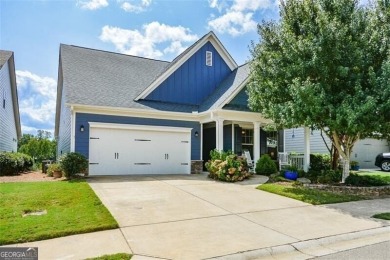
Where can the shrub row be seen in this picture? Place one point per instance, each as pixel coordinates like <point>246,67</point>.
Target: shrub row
<point>13,163</point>
<point>365,180</point>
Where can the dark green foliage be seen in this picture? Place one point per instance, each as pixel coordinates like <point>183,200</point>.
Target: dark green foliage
<point>226,166</point>
<point>39,147</point>
<point>265,165</point>
<point>366,180</point>
<point>385,216</point>
<point>324,176</point>
<point>73,163</point>
<point>326,65</point>
<point>320,162</point>
<point>14,163</point>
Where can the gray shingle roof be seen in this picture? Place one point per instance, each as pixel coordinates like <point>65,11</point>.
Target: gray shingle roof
<point>101,78</point>
<point>226,88</point>
<point>4,57</point>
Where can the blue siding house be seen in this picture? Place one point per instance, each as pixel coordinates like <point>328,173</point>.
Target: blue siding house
<point>133,115</point>
<point>10,131</point>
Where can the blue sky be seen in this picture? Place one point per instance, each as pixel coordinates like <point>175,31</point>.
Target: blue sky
<point>34,29</point>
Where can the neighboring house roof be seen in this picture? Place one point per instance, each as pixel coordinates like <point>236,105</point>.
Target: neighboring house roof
<point>227,90</point>
<point>183,57</point>
<point>8,56</point>
<point>4,57</point>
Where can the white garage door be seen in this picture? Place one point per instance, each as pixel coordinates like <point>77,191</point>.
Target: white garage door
<point>366,150</point>
<point>116,149</point>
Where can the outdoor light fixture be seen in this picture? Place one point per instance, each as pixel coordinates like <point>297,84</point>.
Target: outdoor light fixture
<point>82,128</point>
<point>196,134</point>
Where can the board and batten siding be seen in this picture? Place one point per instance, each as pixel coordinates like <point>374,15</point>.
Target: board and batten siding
<point>82,138</point>
<point>64,131</point>
<point>193,81</point>
<point>8,132</point>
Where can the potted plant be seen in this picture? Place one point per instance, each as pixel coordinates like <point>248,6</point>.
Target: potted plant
<point>54,170</point>
<point>291,173</point>
<point>355,165</point>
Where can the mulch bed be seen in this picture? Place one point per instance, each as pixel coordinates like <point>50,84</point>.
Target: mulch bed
<point>31,176</point>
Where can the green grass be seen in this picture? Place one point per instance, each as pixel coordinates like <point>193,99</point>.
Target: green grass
<point>312,196</point>
<point>72,208</point>
<point>120,256</point>
<point>383,175</point>
<point>385,216</point>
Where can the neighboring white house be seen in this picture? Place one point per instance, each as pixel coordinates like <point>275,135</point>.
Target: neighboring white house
<point>364,151</point>
<point>10,130</point>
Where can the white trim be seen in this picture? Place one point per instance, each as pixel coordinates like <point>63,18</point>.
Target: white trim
<point>140,127</point>
<point>209,58</point>
<point>209,37</point>
<point>201,141</point>
<point>234,93</point>
<point>72,129</point>
<point>256,141</point>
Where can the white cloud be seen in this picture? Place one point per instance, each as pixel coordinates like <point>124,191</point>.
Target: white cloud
<point>155,36</point>
<point>237,19</point>
<point>138,7</point>
<point>37,101</point>
<point>92,4</point>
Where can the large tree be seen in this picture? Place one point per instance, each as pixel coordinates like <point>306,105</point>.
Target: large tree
<point>325,65</point>
<point>39,147</point>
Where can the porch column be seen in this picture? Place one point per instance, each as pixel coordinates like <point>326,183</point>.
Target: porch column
<point>233,139</point>
<point>256,141</point>
<point>306,147</point>
<point>219,134</point>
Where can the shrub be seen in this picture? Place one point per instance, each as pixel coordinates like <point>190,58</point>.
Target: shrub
<point>225,166</point>
<point>324,176</point>
<point>52,168</point>
<point>365,180</point>
<point>13,163</point>
<point>265,165</point>
<point>319,162</point>
<point>73,163</point>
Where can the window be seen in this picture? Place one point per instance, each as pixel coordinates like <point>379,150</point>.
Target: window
<point>209,58</point>
<point>247,136</point>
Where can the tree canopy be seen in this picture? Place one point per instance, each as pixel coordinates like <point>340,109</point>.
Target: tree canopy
<point>325,65</point>
<point>40,147</point>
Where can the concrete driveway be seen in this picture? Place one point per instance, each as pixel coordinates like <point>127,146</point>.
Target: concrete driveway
<point>193,217</point>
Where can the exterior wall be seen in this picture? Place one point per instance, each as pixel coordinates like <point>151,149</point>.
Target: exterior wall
<point>82,138</point>
<point>8,133</point>
<point>239,102</point>
<point>227,137</point>
<point>193,81</point>
<point>63,142</point>
<point>296,143</point>
<point>363,152</point>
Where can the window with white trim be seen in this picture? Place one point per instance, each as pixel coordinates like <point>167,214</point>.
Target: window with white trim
<point>209,58</point>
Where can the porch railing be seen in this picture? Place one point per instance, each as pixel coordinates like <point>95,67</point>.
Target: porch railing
<point>297,160</point>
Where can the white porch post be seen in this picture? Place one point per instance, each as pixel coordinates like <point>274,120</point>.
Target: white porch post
<point>233,141</point>
<point>256,141</point>
<point>219,134</point>
<point>306,147</point>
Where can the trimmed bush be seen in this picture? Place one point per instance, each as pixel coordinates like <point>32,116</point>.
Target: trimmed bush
<point>226,166</point>
<point>324,176</point>
<point>73,163</point>
<point>365,180</point>
<point>13,163</point>
<point>319,162</point>
<point>265,165</point>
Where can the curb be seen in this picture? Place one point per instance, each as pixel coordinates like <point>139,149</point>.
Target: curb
<point>316,247</point>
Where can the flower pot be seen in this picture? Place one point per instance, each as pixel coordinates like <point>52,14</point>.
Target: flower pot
<point>291,175</point>
<point>57,174</point>
<point>355,167</point>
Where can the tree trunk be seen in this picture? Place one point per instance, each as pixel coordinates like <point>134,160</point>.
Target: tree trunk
<point>346,166</point>
<point>335,158</point>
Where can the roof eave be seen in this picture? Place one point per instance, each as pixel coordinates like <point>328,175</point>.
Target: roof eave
<point>14,91</point>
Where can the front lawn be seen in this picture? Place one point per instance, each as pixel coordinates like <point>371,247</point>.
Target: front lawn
<point>68,207</point>
<point>385,216</point>
<point>312,196</point>
<point>119,256</point>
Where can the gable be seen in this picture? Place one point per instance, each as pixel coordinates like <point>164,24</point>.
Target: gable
<point>193,81</point>
<point>239,102</point>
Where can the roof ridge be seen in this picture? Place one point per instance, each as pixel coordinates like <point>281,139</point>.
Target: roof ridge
<point>111,52</point>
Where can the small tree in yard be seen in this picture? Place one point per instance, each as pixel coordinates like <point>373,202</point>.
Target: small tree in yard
<point>325,65</point>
